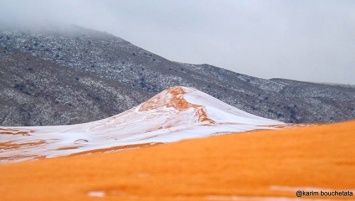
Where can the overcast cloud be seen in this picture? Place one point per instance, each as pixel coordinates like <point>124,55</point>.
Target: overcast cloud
<point>310,40</point>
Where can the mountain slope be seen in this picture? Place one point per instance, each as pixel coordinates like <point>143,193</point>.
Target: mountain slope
<point>174,114</point>
<point>40,92</point>
<point>109,60</point>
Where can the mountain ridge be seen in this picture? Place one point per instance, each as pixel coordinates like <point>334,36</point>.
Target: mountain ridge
<point>100,62</point>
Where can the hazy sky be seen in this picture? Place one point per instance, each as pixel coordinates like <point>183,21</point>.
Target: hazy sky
<point>310,40</point>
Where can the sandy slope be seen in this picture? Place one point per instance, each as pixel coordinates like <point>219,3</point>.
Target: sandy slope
<point>259,165</point>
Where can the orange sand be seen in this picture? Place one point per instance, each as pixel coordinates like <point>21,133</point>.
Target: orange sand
<point>11,131</point>
<point>177,102</point>
<point>215,168</point>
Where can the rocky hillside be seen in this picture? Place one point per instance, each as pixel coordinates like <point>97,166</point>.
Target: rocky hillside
<point>75,75</point>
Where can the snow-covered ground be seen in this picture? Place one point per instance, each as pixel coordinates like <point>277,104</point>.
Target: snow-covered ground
<point>175,114</point>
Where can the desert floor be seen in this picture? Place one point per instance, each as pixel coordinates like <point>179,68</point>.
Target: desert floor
<point>260,165</point>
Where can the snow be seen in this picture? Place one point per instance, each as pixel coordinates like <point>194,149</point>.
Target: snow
<point>221,111</point>
<point>96,194</point>
<point>175,114</point>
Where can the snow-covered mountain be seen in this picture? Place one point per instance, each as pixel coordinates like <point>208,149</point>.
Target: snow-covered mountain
<point>175,114</point>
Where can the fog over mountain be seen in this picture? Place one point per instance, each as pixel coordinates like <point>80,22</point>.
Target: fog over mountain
<point>303,40</point>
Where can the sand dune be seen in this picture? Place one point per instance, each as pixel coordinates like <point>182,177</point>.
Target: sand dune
<point>174,114</point>
<point>258,165</point>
